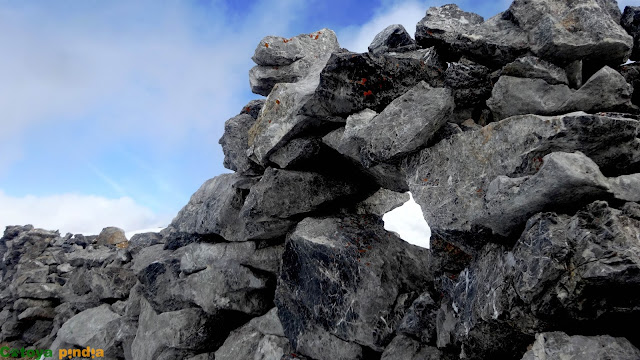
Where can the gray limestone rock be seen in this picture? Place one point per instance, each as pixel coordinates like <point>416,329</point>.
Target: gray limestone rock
<point>335,277</point>
<point>631,23</point>
<point>111,283</point>
<point>111,236</point>
<point>404,126</point>
<point>144,240</point>
<point>253,108</point>
<point>283,60</point>
<point>558,345</point>
<point>234,144</point>
<point>562,32</point>
<point>297,152</point>
<point>261,338</point>
<point>626,187</point>
<point>517,96</point>
<point>471,84</point>
<point>605,91</point>
<point>394,38</point>
<point>382,202</point>
<point>81,328</point>
<point>535,68</point>
<point>450,179</point>
<point>494,42</point>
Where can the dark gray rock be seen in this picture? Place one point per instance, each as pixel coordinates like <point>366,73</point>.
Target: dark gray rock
<point>626,187</point>
<point>352,82</point>
<point>335,281</point>
<point>261,338</point>
<point>253,108</point>
<point>406,348</point>
<point>141,241</point>
<point>270,209</point>
<point>471,85</point>
<point>174,333</point>
<point>562,32</point>
<point>558,345</point>
<point>404,126</point>
<point>394,38</point>
<point>494,42</point>
<point>418,321</point>
<point>234,143</point>
<point>572,272</point>
<point>535,68</point>
<point>631,23</point>
<point>111,283</point>
<point>296,153</point>
<point>605,91</point>
<point>631,73</point>
<point>574,74</point>
<point>81,328</point>
<point>111,236</point>
<point>283,60</point>
<point>382,202</point>
<point>213,209</point>
<point>450,179</point>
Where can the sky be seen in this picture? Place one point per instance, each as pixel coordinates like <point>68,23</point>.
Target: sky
<point>111,111</point>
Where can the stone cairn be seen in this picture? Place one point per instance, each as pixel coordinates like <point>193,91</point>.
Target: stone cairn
<point>518,136</point>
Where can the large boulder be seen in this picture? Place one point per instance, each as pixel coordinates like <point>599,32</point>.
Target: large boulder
<point>111,236</point>
<point>335,283</point>
<point>451,179</point>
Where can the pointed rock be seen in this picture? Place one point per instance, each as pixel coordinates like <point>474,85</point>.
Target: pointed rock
<point>394,38</point>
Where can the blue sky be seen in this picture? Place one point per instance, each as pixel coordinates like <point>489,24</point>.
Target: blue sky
<point>111,110</point>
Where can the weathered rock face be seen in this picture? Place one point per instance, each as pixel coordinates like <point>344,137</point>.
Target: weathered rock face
<point>332,263</point>
<point>631,22</point>
<point>519,137</point>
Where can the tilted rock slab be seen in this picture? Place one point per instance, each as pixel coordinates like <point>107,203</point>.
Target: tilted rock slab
<point>450,180</point>
<point>335,282</point>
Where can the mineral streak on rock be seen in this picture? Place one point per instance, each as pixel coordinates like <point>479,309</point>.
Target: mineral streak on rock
<point>518,136</point>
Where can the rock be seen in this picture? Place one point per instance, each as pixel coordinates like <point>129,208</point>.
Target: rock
<point>626,187</point>
<point>565,272</point>
<point>574,74</point>
<point>144,240</point>
<point>532,67</point>
<point>418,321</point>
<point>405,125</point>
<point>394,38</point>
<point>470,82</point>
<point>213,209</point>
<point>34,313</point>
<point>451,189</point>
<point>174,333</point>
<point>403,347</point>
<point>269,209</point>
<point>85,325</point>
<point>296,153</point>
<point>631,23</point>
<point>562,32</point>
<point>90,257</point>
<point>352,82</point>
<point>382,202</point>
<point>111,283</point>
<point>494,42</point>
<point>517,96</point>
<point>234,143</point>
<point>261,338</point>
<point>606,90</point>
<point>565,181</point>
<point>283,60</point>
<point>335,278</point>
<point>558,345</point>
<point>111,236</point>
<point>631,73</point>
<point>253,108</point>
<point>39,291</point>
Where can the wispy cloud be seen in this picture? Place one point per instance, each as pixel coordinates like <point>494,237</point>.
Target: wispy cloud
<point>77,213</point>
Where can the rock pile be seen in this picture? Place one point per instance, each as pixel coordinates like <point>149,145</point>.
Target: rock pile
<point>518,136</point>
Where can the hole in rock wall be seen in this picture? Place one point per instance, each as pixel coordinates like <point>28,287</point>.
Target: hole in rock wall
<point>408,222</point>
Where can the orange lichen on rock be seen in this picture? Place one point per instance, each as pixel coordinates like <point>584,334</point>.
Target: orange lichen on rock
<point>277,101</point>
<point>368,93</point>
<point>317,36</point>
<point>266,45</point>
<point>363,81</point>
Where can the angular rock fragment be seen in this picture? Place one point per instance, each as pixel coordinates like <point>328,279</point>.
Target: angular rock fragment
<point>81,328</point>
<point>234,145</point>
<point>296,153</point>
<point>335,277</point>
<point>450,180</point>
<point>606,90</point>
<point>283,60</point>
<point>471,85</point>
<point>253,108</point>
<point>382,202</point>
<point>111,236</point>
<point>532,67</point>
<point>394,38</point>
<point>631,23</point>
<point>405,125</point>
<point>558,345</point>
<point>403,347</point>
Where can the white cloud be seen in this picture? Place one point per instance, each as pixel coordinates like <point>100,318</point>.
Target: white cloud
<point>408,221</point>
<point>82,214</point>
<point>623,3</point>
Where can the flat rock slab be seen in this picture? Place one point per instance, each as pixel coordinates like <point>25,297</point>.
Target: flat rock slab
<point>351,278</point>
<point>450,180</point>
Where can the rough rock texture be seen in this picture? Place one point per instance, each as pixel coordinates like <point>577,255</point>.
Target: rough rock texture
<point>331,263</point>
<point>631,22</point>
<point>394,38</point>
<point>111,236</point>
<point>519,137</point>
<point>558,345</point>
